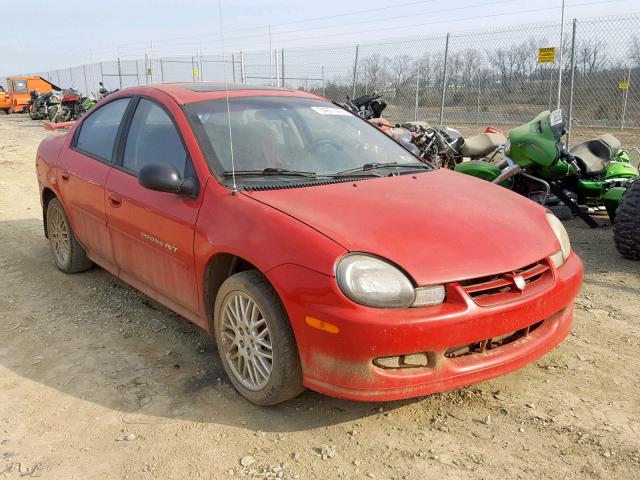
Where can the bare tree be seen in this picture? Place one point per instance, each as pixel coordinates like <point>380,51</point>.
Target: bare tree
<point>590,56</point>
<point>504,61</point>
<point>400,69</point>
<point>471,64</point>
<point>375,69</point>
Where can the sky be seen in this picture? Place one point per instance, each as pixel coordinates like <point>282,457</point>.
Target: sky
<point>81,31</point>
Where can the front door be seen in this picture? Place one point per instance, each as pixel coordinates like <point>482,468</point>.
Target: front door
<point>152,232</point>
<point>84,170</point>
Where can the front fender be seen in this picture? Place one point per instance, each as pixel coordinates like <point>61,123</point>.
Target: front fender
<point>239,225</point>
<point>480,169</point>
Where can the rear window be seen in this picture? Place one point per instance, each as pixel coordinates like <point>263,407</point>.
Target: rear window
<point>98,132</point>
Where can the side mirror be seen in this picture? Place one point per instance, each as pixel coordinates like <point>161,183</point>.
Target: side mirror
<point>163,177</point>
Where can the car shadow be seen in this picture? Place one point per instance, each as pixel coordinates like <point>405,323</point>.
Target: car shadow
<point>94,338</point>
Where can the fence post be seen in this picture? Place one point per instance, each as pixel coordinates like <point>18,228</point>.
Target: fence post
<point>119,72</point>
<point>282,67</point>
<point>415,110</point>
<point>274,53</point>
<point>323,94</point>
<point>233,66</point>
<point>478,99</point>
<point>573,75</point>
<point>86,85</point>
<point>151,62</point>
<point>193,70</point>
<point>70,77</point>
<point>242,73</point>
<point>270,59</point>
<point>93,69</point>
<point>146,69</point>
<point>560,59</point>
<point>355,72</point>
<point>444,79</point>
<point>101,73</point>
<point>137,73</point>
<point>161,71</point>
<point>626,96</point>
<point>200,65</point>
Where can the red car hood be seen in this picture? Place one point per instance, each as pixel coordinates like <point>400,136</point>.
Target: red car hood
<point>439,226</point>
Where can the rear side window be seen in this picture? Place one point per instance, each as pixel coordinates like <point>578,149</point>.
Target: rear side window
<point>153,138</point>
<point>98,132</point>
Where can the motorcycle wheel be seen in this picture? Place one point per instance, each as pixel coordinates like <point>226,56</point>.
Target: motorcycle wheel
<point>33,114</point>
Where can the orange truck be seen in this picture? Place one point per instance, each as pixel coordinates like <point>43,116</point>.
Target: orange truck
<point>17,97</point>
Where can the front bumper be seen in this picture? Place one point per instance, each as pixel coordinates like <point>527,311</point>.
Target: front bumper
<point>341,364</point>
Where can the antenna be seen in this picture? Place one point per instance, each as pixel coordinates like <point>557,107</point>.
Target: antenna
<point>226,91</point>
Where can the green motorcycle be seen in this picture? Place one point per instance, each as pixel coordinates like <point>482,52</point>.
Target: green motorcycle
<point>538,165</point>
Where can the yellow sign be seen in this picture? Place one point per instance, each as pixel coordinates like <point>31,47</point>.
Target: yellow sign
<point>196,73</point>
<point>623,85</point>
<point>547,55</point>
<point>149,73</point>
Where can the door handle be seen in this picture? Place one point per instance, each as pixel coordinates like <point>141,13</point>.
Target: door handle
<point>115,200</point>
<point>65,176</point>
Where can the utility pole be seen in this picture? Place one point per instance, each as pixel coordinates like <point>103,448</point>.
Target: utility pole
<point>560,57</point>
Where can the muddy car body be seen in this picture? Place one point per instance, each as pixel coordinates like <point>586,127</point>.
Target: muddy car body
<point>371,285</point>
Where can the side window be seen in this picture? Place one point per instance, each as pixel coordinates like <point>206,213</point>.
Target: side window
<point>153,138</point>
<point>20,86</point>
<point>98,132</point>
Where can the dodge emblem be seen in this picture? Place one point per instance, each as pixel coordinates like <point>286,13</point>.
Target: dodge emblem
<point>519,281</point>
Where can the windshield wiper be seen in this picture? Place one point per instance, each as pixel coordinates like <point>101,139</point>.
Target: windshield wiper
<point>377,165</point>
<point>270,172</point>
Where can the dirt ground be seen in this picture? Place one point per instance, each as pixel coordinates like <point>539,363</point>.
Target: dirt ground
<point>98,382</point>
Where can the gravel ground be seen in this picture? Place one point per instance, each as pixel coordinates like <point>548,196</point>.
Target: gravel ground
<point>97,382</point>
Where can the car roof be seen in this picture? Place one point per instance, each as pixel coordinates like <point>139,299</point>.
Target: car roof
<point>191,92</point>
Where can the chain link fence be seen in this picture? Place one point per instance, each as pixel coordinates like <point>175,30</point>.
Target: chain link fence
<point>473,77</point>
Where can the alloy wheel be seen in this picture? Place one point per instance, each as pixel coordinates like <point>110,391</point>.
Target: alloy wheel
<point>59,236</point>
<point>246,341</point>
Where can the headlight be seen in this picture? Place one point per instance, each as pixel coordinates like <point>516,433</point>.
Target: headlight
<point>373,282</point>
<point>561,255</point>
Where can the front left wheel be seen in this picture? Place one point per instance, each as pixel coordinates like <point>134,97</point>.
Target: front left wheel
<point>255,340</point>
<point>69,256</point>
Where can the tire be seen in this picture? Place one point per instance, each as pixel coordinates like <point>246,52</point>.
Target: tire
<point>284,381</point>
<point>562,212</point>
<point>626,229</point>
<point>68,255</point>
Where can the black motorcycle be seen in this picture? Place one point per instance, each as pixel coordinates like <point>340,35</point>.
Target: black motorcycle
<point>367,106</point>
<point>104,92</point>
<point>39,105</point>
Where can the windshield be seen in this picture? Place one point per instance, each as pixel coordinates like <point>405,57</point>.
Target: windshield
<point>291,134</point>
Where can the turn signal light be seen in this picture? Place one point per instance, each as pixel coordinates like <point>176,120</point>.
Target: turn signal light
<point>321,325</point>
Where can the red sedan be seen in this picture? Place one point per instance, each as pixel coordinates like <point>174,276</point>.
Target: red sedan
<point>316,250</point>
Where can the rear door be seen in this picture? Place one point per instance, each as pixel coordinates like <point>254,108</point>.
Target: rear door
<point>152,232</point>
<point>83,173</point>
